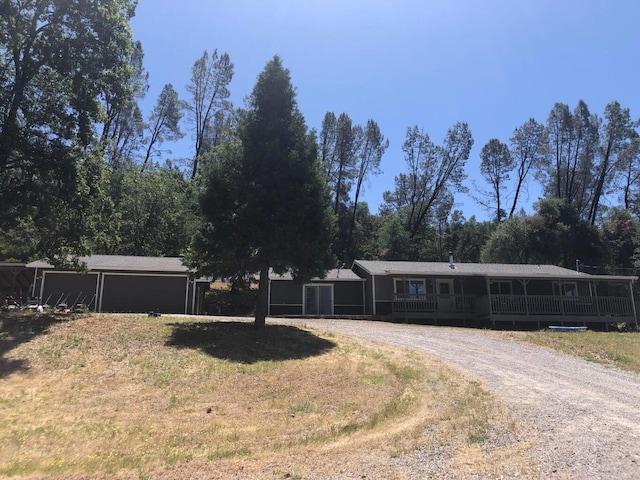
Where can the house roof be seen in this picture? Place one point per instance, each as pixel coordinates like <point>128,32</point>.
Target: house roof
<point>375,267</point>
<point>125,263</point>
<point>343,274</point>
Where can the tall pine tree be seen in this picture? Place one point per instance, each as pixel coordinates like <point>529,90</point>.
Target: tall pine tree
<point>264,203</point>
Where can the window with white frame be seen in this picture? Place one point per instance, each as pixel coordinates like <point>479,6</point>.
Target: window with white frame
<point>410,287</point>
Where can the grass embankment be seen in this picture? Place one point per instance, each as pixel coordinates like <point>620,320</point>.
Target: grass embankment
<point>620,349</point>
<point>136,397</point>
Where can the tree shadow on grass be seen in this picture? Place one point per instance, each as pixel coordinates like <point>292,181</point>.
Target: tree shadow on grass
<point>17,328</point>
<point>244,343</point>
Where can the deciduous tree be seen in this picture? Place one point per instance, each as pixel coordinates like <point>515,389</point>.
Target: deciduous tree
<point>568,168</point>
<point>434,171</point>
<point>59,61</point>
<point>528,147</point>
<point>495,166</point>
<point>123,124</point>
<point>209,103</point>
<point>371,146</point>
<point>615,139</point>
<point>164,122</point>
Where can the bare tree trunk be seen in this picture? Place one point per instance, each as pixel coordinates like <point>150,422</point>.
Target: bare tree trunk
<point>263,298</point>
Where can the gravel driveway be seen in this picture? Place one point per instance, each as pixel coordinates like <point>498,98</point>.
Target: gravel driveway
<point>587,417</point>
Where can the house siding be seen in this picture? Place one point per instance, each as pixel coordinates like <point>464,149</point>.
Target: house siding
<point>144,293</point>
<point>286,296</point>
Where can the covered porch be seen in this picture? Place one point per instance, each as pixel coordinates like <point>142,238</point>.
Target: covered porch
<point>544,301</point>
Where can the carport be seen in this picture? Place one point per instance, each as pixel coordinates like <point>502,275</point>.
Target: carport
<point>15,281</point>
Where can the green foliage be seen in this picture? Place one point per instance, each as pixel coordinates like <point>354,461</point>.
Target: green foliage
<point>434,171</point>
<point>350,154</point>
<point>164,122</point>
<point>467,238</point>
<point>152,213</point>
<point>495,166</point>
<point>264,203</point>
<point>621,234</point>
<point>554,235</point>
<point>509,243</point>
<point>528,147</point>
<point>209,106</point>
<point>58,60</point>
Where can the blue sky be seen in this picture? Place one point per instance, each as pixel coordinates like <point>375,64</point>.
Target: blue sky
<point>491,63</point>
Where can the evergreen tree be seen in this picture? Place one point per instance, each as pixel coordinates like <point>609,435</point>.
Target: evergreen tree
<point>265,204</point>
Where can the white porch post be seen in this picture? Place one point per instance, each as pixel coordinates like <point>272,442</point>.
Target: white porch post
<point>633,304</point>
<point>373,293</point>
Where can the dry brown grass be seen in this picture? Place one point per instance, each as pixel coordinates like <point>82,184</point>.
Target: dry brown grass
<point>127,396</point>
<point>620,349</point>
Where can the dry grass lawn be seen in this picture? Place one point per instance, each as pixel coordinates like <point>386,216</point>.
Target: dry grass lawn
<point>128,396</point>
<point>620,349</point>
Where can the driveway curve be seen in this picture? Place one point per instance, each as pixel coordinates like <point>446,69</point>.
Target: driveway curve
<point>586,416</point>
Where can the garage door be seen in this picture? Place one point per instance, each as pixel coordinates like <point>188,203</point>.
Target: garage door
<point>143,293</point>
<point>70,288</point>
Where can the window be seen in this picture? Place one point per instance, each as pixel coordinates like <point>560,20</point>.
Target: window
<point>500,287</point>
<point>410,288</point>
<point>567,289</point>
<point>570,289</point>
<point>318,300</point>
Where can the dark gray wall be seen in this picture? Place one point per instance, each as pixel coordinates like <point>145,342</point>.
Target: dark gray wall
<point>144,293</point>
<point>69,287</point>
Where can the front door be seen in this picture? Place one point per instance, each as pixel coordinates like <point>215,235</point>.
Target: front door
<point>446,298</point>
<point>318,300</point>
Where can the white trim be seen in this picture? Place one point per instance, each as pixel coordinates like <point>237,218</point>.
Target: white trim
<point>409,280</point>
<point>42,288</point>
<point>95,305</point>
<point>186,296</point>
<point>101,289</point>
<point>193,297</point>
<point>269,299</point>
<point>633,305</point>
<point>125,274</point>
<point>373,294</point>
<point>33,289</point>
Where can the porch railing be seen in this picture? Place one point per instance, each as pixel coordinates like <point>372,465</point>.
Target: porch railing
<point>558,305</point>
<point>432,303</point>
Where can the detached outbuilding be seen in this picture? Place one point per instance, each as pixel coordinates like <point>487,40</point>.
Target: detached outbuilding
<point>117,283</point>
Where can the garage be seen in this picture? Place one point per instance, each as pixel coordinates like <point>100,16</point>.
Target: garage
<point>143,293</point>
<point>118,283</point>
<point>69,288</point>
